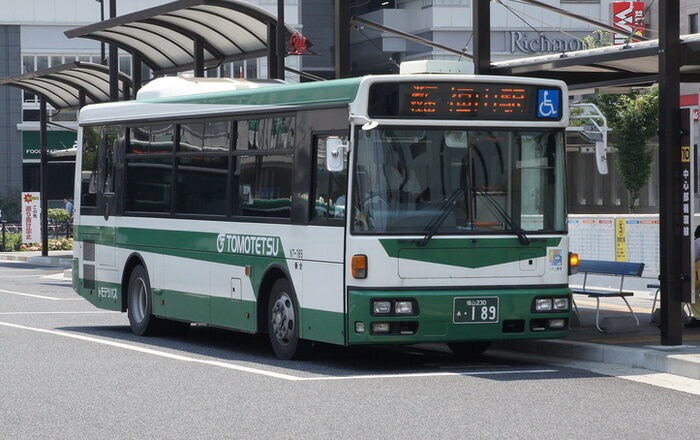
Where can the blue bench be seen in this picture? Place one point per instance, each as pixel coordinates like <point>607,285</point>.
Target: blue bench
<point>613,268</point>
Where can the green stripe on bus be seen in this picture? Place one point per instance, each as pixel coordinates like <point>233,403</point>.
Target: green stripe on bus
<point>325,92</point>
<point>471,253</point>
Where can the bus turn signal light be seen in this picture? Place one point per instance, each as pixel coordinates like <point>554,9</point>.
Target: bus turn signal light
<point>573,263</point>
<point>359,266</point>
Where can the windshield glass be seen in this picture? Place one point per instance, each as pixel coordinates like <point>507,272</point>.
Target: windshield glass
<point>404,176</point>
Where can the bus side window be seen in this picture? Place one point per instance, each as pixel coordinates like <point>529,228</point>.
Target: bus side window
<point>110,145</point>
<point>329,192</point>
<point>88,172</point>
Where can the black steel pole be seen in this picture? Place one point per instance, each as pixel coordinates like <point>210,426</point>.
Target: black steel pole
<point>272,54</point>
<point>481,36</point>
<point>136,73</point>
<point>44,180</point>
<point>113,60</point>
<point>281,39</point>
<point>670,216</point>
<point>198,58</point>
<point>81,99</point>
<point>2,245</point>
<point>102,43</point>
<point>342,38</point>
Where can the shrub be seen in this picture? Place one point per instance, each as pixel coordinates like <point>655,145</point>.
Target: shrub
<point>59,215</point>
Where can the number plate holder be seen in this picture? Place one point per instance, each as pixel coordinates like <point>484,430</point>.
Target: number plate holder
<point>475,310</point>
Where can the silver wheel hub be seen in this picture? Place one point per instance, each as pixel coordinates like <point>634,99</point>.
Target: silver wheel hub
<point>283,319</point>
<point>138,300</point>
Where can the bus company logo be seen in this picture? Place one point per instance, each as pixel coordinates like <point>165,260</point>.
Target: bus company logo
<point>106,292</point>
<point>248,244</point>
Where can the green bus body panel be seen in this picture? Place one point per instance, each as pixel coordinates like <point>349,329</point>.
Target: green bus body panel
<point>435,315</point>
<point>471,253</point>
<point>323,326</point>
<point>311,93</point>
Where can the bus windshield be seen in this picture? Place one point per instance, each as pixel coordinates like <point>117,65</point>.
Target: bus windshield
<point>505,180</point>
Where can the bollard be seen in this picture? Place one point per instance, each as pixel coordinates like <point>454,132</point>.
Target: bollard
<point>2,244</point>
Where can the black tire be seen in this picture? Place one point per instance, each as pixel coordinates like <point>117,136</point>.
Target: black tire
<point>469,349</point>
<point>140,304</point>
<point>283,322</point>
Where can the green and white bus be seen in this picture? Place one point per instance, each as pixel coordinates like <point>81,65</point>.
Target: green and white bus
<point>390,209</point>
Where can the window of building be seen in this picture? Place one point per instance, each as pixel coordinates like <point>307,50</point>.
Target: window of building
<point>693,23</point>
<point>329,194</point>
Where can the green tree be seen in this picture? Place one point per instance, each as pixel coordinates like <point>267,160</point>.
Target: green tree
<point>634,119</point>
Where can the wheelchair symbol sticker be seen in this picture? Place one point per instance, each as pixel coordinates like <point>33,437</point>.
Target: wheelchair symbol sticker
<point>548,103</point>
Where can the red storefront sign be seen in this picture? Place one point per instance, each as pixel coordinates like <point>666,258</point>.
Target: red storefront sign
<point>628,17</point>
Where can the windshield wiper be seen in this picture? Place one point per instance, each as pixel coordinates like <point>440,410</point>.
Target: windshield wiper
<point>436,221</point>
<point>498,210</point>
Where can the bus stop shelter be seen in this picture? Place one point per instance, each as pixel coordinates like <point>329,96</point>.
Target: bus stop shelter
<point>68,86</point>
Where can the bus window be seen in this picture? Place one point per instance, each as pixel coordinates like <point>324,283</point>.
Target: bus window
<point>329,192</point>
<point>88,186</point>
<point>264,185</point>
<point>148,184</point>
<point>201,185</point>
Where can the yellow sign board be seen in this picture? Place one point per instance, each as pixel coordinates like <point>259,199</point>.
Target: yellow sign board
<point>620,239</point>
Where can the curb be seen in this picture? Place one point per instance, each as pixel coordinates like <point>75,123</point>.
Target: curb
<point>62,261</point>
<point>679,364</point>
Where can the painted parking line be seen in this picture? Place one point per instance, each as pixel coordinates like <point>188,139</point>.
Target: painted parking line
<point>31,295</point>
<point>276,375</point>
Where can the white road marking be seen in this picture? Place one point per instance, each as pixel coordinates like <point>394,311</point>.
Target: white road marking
<point>59,313</point>
<point>23,276</point>
<point>10,292</point>
<point>640,375</point>
<point>431,374</point>
<point>56,276</point>
<point>232,366</point>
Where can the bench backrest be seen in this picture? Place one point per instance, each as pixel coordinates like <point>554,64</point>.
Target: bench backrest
<point>611,268</point>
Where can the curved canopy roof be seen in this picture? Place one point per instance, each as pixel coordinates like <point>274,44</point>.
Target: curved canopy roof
<point>62,85</point>
<point>164,36</point>
<point>634,63</point>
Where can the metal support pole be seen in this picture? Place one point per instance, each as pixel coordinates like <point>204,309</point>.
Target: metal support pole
<point>113,60</point>
<point>272,63</point>
<point>81,99</point>
<point>44,182</point>
<point>102,43</point>
<point>481,36</point>
<point>670,215</point>
<point>3,247</point>
<point>136,73</point>
<point>198,58</point>
<point>342,38</point>
<point>281,39</point>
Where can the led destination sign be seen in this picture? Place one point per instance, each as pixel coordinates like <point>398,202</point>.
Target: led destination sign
<point>450,100</point>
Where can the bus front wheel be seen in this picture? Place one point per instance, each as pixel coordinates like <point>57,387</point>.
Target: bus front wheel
<point>139,303</point>
<point>469,348</point>
<point>283,322</point>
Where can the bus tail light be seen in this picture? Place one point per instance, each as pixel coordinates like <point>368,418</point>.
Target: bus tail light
<point>573,263</point>
<point>359,266</point>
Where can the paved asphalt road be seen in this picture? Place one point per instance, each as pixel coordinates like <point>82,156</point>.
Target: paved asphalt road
<point>71,371</point>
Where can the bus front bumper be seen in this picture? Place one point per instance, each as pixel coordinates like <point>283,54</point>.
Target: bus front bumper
<point>455,315</point>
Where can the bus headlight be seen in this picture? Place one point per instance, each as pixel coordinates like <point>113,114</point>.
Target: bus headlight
<point>403,307</point>
<point>381,307</point>
<point>561,304</point>
<point>543,305</point>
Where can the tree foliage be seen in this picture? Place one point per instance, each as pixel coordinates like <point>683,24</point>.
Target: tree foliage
<point>634,118</point>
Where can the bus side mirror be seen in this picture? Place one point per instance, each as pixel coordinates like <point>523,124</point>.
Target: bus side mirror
<point>335,154</point>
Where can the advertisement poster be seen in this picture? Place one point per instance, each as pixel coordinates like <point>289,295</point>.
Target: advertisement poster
<point>31,217</point>
<point>628,17</point>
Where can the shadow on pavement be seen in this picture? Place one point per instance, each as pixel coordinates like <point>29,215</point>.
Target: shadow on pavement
<point>327,359</point>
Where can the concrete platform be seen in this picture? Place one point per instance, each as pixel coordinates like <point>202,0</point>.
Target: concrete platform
<point>54,259</point>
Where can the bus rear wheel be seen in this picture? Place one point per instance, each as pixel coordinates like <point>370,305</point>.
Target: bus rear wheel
<point>283,322</point>
<point>139,303</point>
<point>469,349</point>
